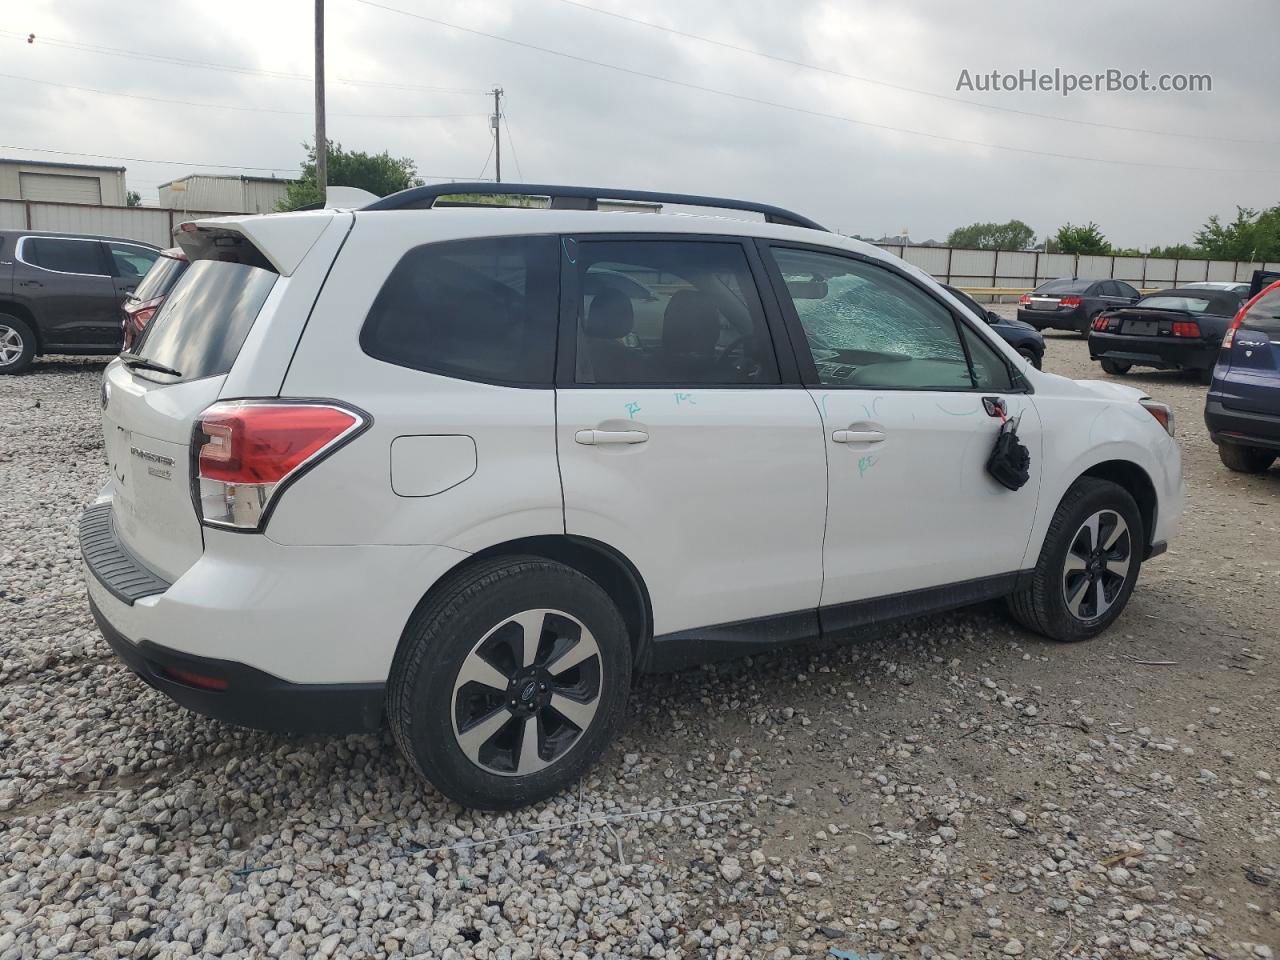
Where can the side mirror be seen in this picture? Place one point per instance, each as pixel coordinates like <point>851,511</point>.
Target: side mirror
<point>993,317</point>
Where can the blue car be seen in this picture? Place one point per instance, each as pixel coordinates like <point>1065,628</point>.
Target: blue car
<point>1023,337</point>
<point>1242,410</point>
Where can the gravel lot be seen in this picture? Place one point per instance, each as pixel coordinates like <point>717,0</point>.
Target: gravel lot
<point>957,788</point>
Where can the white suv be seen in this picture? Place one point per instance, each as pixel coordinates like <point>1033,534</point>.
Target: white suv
<point>465,470</point>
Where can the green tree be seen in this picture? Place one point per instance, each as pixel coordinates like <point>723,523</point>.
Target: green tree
<point>379,173</point>
<point>1179,251</point>
<point>133,199</point>
<point>1253,235</point>
<point>1073,239</point>
<point>1014,235</point>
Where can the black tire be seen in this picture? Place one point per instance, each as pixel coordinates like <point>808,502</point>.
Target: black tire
<point>1042,605</point>
<point>471,612</point>
<point>1204,376</point>
<point>14,331</point>
<point>1031,356</point>
<point>1116,368</point>
<point>1245,459</point>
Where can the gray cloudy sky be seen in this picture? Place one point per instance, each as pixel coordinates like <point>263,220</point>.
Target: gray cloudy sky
<point>575,122</point>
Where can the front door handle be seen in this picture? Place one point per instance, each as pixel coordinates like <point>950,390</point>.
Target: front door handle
<point>593,437</point>
<point>857,436</point>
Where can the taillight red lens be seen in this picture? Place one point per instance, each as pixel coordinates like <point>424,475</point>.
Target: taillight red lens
<point>1069,301</point>
<point>1101,323</point>
<point>264,444</point>
<point>1024,299</point>
<point>192,679</point>
<point>245,449</point>
<point>1186,328</point>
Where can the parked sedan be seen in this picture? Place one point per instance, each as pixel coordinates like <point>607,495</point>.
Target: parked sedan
<point>1233,286</point>
<point>143,303</point>
<point>1177,329</point>
<point>1023,337</point>
<point>1071,303</point>
<point>61,293</point>
<point>1242,410</point>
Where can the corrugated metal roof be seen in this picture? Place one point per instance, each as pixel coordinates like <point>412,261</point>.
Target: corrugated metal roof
<point>51,163</point>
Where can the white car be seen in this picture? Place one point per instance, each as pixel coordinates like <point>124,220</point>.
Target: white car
<point>464,471</point>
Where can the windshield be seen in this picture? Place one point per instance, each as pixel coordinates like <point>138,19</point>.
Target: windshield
<point>160,278</point>
<point>204,320</point>
<point>1066,285</point>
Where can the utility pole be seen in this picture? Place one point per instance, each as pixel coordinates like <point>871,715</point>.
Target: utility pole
<point>495,121</point>
<point>322,141</point>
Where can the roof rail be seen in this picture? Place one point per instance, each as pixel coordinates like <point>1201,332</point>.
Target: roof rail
<point>581,198</point>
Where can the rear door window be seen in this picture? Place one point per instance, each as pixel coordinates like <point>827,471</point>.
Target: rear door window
<point>679,312</point>
<point>204,320</point>
<point>65,255</point>
<point>131,261</point>
<point>483,309</point>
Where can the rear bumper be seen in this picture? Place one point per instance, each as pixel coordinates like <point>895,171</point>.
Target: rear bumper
<point>1163,353</point>
<point>1071,319</point>
<point>1241,426</point>
<point>300,638</point>
<point>251,698</point>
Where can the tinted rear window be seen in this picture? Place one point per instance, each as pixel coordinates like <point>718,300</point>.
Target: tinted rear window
<point>207,315</point>
<point>1265,315</point>
<point>1065,286</point>
<point>65,256</point>
<point>481,309</point>
<point>162,275</point>
<point>1190,304</point>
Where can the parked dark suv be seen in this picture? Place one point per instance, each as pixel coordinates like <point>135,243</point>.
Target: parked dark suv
<point>1070,303</point>
<point>61,293</point>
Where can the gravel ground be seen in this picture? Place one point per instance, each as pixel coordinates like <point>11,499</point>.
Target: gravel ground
<point>956,788</point>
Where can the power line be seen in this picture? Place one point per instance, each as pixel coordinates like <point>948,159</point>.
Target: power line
<point>243,109</point>
<point>487,158</point>
<point>905,89</point>
<point>230,68</point>
<point>801,110</point>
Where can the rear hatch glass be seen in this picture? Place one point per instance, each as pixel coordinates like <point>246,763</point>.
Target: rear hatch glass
<point>159,278</point>
<point>203,322</point>
<point>148,415</point>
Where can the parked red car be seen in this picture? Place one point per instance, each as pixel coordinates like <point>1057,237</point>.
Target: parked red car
<point>142,304</point>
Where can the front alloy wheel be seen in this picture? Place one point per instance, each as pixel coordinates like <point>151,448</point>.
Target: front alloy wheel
<point>1097,565</point>
<point>526,692</point>
<point>11,345</point>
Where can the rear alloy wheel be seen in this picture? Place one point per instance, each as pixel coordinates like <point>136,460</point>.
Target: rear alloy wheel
<point>1116,368</point>
<point>1088,564</point>
<point>1245,459</point>
<point>17,344</point>
<point>510,682</point>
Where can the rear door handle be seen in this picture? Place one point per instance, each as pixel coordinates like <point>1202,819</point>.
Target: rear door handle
<point>593,437</point>
<point>857,436</point>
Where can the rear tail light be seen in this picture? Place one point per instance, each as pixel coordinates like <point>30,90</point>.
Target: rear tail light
<point>1161,411</point>
<point>1230,336</point>
<point>1068,301</point>
<point>1100,323</point>
<point>245,452</point>
<point>190,678</point>
<point>1186,328</point>
<point>1024,299</point>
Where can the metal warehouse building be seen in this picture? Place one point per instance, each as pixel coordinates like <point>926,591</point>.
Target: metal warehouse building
<point>62,182</point>
<point>229,193</point>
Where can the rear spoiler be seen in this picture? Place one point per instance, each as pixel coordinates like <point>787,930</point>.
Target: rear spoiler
<point>277,241</point>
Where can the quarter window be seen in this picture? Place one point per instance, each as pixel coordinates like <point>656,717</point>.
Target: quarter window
<point>670,312</point>
<point>1264,316</point>
<point>868,327</point>
<point>481,309</point>
<point>65,256</point>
